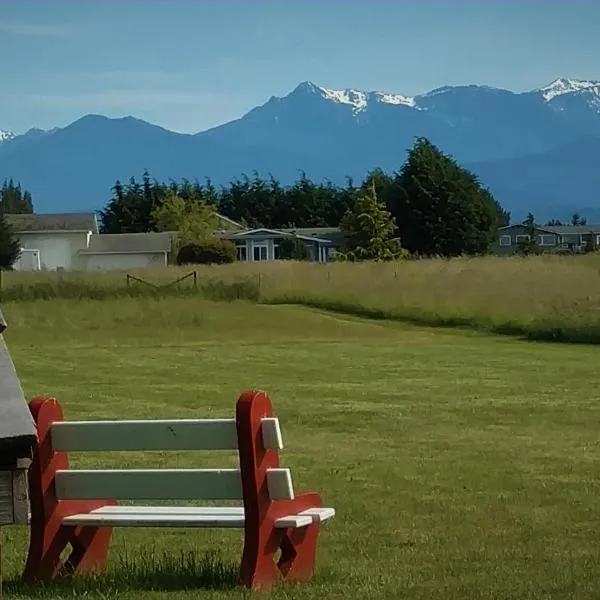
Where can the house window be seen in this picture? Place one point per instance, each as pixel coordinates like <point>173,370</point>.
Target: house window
<point>547,240</point>
<point>521,239</point>
<point>505,240</point>
<point>241,252</point>
<point>259,252</point>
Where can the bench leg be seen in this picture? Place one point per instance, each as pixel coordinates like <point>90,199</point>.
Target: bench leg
<point>90,549</point>
<point>259,570</point>
<point>299,552</point>
<point>88,555</point>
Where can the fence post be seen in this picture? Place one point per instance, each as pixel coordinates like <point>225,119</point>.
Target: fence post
<point>127,276</point>
<point>259,281</point>
<point>195,280</point>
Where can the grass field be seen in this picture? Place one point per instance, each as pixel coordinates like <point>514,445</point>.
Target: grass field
<point>462,466</point>
<point>547,297</point>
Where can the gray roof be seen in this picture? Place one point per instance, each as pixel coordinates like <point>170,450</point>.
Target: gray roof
<point>53,222</point>
<point>264,233</point>
<point>17,429</point>
<point>559,229</point>
<point>566,229</point>
<point>334,234</point>
<point>129,243</point>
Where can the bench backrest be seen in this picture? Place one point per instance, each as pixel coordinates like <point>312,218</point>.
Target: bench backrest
<point>160,484</point>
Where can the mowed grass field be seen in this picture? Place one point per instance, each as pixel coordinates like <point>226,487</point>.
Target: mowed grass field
<point>462,465</point>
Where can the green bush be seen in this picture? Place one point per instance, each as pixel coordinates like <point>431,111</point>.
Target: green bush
<point>208,252</point>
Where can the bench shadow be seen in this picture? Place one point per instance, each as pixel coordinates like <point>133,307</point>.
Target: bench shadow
<point>165,572</point>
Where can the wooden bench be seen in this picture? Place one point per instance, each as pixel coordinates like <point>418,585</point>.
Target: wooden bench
<point>79,507</point>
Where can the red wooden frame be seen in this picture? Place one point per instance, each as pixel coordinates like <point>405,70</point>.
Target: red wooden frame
<point>262,541</point>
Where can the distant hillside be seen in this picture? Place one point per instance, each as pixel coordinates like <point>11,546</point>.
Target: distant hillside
<point>536,150</point>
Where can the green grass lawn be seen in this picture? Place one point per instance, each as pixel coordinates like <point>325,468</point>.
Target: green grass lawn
<point>462,466</point>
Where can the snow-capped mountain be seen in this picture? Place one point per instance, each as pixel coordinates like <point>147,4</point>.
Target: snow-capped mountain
<point>6,135</point>
<point>533,149</point>
<point>563,86</point>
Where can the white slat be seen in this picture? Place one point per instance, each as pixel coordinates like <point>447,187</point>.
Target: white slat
<point>279,484</point>
<point>293,521</point>
<point>164,484</point>
<point>305,518</point>
<point>319,514</point>
<point>170,510</point>
<point>156,520</point>
<point>185,434</point>
<point>147,435</point>
<point>150,484</point>
<point>271,433</point>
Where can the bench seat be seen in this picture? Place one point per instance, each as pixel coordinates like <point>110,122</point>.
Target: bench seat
<point>188,516</point>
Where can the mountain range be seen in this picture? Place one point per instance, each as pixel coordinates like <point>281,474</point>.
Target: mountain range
<point>537,151</point>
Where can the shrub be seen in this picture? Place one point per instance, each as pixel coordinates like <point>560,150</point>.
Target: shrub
<point>207,252</point>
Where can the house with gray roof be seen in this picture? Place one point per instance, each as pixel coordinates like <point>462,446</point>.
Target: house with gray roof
<point>51,242</point>
<point>127,251</point>
<point>268,244</point>
<point>551,238</point>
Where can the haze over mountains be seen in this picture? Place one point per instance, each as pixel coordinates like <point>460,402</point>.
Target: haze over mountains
<point>537,151</point>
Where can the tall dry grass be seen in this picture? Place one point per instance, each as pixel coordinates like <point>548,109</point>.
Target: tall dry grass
<point>546,297</point>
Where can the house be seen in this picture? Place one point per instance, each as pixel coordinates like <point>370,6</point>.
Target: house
<point>565,238</point>
<point>72,242</point>
<point>126,251</point>
<point>51,242</point>
<point>266,244</point>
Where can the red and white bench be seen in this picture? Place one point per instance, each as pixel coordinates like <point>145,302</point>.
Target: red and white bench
<point>80,507</point>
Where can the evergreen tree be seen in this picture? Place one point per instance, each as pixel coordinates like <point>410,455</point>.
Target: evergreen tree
<point>15,200</point>
<point>441,207</point>
<point>577,220</point>
<point>10,248</point>
<point>530,245</point>
<point>370,230</point>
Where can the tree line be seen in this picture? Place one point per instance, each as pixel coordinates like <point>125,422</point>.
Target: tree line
<point>430,206</point>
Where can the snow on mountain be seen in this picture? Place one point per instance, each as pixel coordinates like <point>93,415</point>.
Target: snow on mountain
<point>6,135</point>
<point>360,99</point>
<point>563,86</point>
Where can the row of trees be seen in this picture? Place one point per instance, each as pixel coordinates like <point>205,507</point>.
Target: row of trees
<point>431,206</point>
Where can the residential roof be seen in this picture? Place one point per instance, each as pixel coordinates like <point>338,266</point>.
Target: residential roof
<point>560,229</point>
<point>566,229</point>
<point>263,232</point>
<point>129,243</point>
<point>53,222</point>
<point>335,234</point>
<point>229,222</point>
<point>17,430</point>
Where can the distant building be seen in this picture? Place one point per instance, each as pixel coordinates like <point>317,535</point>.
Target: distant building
<point>565,238</point>
<point>72,242</point>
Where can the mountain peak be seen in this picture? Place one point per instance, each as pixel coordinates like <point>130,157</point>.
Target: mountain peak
<point>359,100</point>
<point>566,85</point>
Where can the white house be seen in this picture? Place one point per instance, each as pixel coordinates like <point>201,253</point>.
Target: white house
<point>72,242</point>
<point>51,242</point>
<point>126,251</point>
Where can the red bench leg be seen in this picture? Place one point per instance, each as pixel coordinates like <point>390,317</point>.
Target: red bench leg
<point>48,536</point>
<point>262,541</point>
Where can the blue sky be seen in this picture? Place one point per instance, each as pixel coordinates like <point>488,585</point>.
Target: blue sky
<point>191,65</point>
